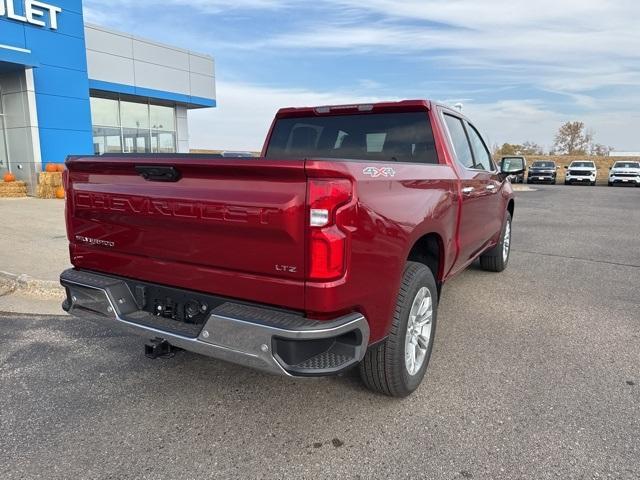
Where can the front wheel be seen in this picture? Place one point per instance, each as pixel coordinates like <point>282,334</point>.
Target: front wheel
<point>593,184</point>
<point>396,366</point>
<point>496,259</point>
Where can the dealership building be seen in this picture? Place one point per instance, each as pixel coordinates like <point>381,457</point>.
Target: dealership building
<point>67,87</point>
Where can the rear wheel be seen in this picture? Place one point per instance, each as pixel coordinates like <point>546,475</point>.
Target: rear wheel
<point>396,366</point>
<point>496,259</point>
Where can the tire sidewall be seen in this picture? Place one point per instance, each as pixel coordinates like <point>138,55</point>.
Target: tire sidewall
<point>507,220</point>
<point>424,279</point>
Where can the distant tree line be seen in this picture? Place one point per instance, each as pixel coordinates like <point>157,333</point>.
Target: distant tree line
<point>572,138</point>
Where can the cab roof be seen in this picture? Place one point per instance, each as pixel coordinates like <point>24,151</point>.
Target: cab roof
<point>380,107</point>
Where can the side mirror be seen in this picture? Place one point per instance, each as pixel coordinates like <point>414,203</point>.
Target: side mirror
<point>566,166</point>
<point>512,166</point>
<point>610,168</point>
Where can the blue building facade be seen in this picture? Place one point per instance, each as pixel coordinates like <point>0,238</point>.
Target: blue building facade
<point>61,80</point>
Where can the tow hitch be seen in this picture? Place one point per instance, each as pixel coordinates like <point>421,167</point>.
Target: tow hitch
<point>159,347</point>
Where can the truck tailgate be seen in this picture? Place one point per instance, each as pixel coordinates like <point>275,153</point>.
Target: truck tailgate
<point>227,225</point>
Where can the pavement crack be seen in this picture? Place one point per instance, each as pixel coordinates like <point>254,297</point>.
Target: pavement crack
<point>577,258</point>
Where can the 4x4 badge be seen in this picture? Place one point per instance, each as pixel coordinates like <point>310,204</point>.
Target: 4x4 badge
<point>379,172</point>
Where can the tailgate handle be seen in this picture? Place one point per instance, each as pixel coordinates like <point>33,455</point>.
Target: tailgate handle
<point>158,173</point>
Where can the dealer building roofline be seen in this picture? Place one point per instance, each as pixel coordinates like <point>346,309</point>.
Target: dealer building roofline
<point>70,87</point>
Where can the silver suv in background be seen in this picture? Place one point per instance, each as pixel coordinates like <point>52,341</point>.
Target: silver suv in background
<point>625,172</point>
<point>581,171</point>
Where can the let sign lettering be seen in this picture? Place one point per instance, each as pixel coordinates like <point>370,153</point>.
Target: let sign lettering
<point>34,12</point>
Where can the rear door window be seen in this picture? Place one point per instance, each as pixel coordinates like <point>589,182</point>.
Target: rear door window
<point>387,137</point>
<point>460,141</point>
<point>480,151</point>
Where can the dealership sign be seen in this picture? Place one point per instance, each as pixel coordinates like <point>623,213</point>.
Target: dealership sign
<point>35,13</point>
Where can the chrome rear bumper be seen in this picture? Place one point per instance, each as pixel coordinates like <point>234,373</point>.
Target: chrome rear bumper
<point>278,342</point>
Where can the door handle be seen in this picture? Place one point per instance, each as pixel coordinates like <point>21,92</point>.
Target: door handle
<point>468,190</point>
<point>158,173</point>
<point>491,187</point>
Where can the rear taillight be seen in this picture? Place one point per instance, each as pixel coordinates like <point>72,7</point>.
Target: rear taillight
<point>327,240</point>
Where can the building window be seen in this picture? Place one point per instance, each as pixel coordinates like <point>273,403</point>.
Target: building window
<point>124,126</point>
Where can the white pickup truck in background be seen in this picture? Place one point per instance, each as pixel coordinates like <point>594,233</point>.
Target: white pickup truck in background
<point>625,172</point>
<point>581,171</point>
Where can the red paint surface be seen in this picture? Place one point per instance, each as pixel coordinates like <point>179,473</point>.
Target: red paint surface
<point>237,227</point>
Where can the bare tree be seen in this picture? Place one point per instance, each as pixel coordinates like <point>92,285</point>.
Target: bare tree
<point>531,148</point>
<point>572,139</point>
<point>599,149</point>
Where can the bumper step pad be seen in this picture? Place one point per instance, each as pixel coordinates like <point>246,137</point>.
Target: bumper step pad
<point>268,339</point>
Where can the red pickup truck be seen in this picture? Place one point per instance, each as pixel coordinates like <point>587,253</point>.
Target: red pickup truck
<point>326,252</point>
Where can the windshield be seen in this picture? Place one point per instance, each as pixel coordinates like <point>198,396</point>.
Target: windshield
<point>582,165</point>
<point>626,165</point>
<point>543,165</point>
<point>402,137</point>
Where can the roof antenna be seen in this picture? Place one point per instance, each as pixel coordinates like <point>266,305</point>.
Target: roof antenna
<point>458,106</point>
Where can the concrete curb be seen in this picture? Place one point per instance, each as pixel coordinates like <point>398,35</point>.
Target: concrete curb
<point>522,188</point>
<point>33,286</point>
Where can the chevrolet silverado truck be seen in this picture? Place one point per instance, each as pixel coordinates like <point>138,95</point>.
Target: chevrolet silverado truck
<point>624,173</point>
<point>581,171</point>
<point>542,172</point>
<point>328,251</point>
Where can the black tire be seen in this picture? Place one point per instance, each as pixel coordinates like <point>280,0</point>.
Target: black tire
<point>593,184</point>
<point>566,183</point>
<point>494,260</point>
<point>383,368</point>
<point>610,184</point>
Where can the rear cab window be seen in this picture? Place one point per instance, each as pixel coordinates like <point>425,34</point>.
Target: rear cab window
<point>386,137</point>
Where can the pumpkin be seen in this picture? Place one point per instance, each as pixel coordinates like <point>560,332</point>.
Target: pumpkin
<point>60,167</point>
<point>59,192</point>
<point>51,167</point>
<point>9,177</point>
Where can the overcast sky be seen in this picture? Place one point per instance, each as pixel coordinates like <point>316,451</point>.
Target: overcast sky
<point>521,68</point>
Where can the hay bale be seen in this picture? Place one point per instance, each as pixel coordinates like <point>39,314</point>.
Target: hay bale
<point>52,179</point>
<point>45,191</point>
<point>48,183</point>
<point>13,189</point>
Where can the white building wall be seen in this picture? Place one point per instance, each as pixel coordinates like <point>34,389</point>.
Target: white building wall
<point>182,129</point>
<point>122,58</point>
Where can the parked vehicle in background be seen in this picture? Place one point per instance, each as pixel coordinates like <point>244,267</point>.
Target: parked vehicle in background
<point>519,177</point>
<point>581,171</point>
<point>542,172</point>
<point>624,172</point>
<point>328,251</point>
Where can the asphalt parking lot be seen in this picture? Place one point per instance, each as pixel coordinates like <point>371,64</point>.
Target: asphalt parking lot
<point>535,374</point>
